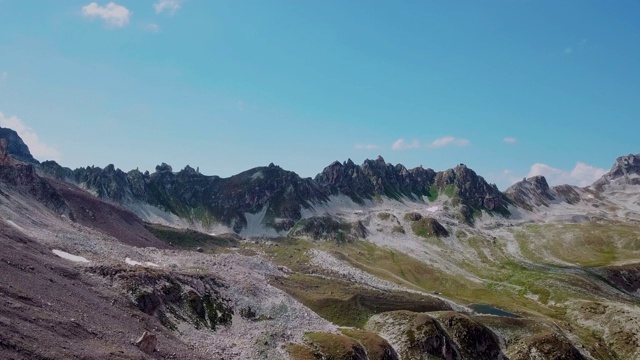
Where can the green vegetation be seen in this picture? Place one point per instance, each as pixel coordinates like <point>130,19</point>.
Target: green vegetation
<point>590,244</point>
<point>300,352</point>
<point>190,239</point>
<point>334,346</point>
<point>376,346</point>
<point>384,216</point>
<point>450,191</point>
<point>348,304</point>
<point>432,195</point>
<point>428,228</point>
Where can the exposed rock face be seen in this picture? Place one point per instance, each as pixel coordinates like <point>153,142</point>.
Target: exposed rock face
<point>530,192</point>
<point>548,346</point>
<point>625,171</point>
<point>427,227</point>
<point>281,194</point>
<point>535,192</point>
<point>472,190</point>
<point>173,297</point>
<point>16,147</point>
<point>328,228</point>
<point>147,342</point>
<point>24,179</point>
<point>374,178</point>
<point>446,335</point>
<point>474,340</point>
<point>625,277</point>
<point>196,197</point>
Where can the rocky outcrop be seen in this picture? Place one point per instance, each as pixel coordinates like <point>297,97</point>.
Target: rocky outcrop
<point>147,342</point>
<point>428,227</point>
<point>198,198</point>
<point>16,147</point>
<point>474,340</point>
<point>173,297</point>
<point>329,228</point>
<point>548,346</point>
<point>531,192</point>
<point>23,178</point>
<point>441,335</point>
<point>472,190</point>
<point>535,192</point>
<point>625,171</point>
<point>374,178</point>
<point>625,277</point>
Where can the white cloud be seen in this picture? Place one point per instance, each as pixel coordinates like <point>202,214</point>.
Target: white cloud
<point>568,50</point>
<point>170,5</point>
<point>581,175</point>
<point>112,14</point>
<point>448,141</point>
<point>38,149</point>
<point>153,28</point>
<point>401,144</point>
<point>367,146</point>
<point>510,140</point>
<point>5,75</point>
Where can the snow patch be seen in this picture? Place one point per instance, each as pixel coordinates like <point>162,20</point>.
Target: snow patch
<point>255,225</point>
<point>128,261</point>
<point>257,175</point>
<point>14,225</point>
<point>71,257</point>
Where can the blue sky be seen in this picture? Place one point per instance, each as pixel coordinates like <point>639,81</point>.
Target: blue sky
<point>510,88</point>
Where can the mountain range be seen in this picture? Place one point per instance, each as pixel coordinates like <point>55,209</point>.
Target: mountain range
<point>370,261</point>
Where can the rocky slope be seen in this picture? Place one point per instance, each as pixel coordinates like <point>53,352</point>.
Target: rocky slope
<point>16,147</point>
<point>411,263</point>
<point>278,197</point>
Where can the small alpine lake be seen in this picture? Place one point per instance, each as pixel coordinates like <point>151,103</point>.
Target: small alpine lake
<point>491,310</point>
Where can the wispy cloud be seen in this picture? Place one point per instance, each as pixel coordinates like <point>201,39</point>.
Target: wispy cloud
<point>575,47</point>
<point>4,75</point>
<point>401,144</point>
<point>113,15</point>
<point>152,28</point>
<point>367,146</point>
<point>448,141</point>
<point>168,5</point>
<point>581,175</point>
<point>510,140</point>
<point>38,149</point>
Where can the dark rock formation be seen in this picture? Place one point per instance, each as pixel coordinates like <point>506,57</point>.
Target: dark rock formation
<point>329,228</point>
<point>428,227</point>
<point>53,310</point>
<point>530,192</point>
<point>474,340</point>
<point>548,346</point>
<point>374,178</point>
<point>147,342</point>
<point>173,297</point>
<point>23,178</point>
<point>16,147</point>
<point>625,170</point>
<point>472,190</point>
<point>625,277</point>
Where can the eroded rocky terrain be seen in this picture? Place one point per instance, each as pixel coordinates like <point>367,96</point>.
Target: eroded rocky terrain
<point>371,261</point>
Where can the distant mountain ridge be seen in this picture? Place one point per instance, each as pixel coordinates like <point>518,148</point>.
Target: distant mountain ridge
<point>281,198</point>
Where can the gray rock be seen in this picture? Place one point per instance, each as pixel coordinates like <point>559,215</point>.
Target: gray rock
<point>147,342</point>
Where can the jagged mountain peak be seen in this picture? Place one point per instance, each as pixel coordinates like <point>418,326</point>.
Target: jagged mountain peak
<point>531,192</point>
<point>16,147</point>
<point>625,171</point>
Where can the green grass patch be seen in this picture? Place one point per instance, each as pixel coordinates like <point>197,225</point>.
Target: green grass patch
<point>348,304</point>
<point>191,239</point>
